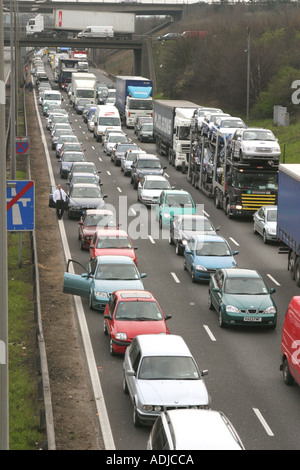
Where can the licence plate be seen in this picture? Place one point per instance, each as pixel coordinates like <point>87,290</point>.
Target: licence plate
<point>257,319</point>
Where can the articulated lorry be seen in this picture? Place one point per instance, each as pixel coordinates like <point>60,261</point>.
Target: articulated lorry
<point>239,188</point>
<point>133,98</point>
<point>68,23</point>
<point>83,86</point>
<point>288,216</point>
<point>171,129</point>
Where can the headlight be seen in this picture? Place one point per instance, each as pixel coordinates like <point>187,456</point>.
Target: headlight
<point>271,309</point>
<point>64,167</point>
<point>199,267</point>
<point>101,294</point>
<point>156,408</point>
<point>184,242</point>
<point>248,149</point>
<point>271,230</point>
<point>121,336</point>
<point>232,309</point>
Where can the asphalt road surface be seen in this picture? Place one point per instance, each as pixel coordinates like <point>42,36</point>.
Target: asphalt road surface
<point>243,363</point>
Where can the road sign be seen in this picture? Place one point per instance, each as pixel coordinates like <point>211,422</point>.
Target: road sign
<point>20,205</point>
<point>22,145</point>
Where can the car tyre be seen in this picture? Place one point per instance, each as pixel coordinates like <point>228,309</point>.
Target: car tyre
<point>105,328</point>
<point>193,275</point>
<point>184,266</point>
<point>265,237</point>
<point>297,272</point>
<point>178,249</point>
<point>124,385</point>
<point>220,317</point>
<point>111,347</point>
<point>210,305</point>
<point>136,419</point>
<point>171,242</point>
<point>90,303</point>
<point>287,376</point>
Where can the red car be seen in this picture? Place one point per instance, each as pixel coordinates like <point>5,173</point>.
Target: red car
<point>129,313</point>
<point>112,242</point>
<point>92,220</point>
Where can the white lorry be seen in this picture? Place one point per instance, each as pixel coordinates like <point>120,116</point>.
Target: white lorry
<point>83,86</point>
<point>171,129</point>
<point>71,22</point>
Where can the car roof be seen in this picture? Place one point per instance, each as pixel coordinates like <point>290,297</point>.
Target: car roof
<point>147,156</point>
<point>115,259</point>
<point>240,272</point>
<point>190,216</point>
<point>85,163</point>
<point>114,232</point>
<point>201,429</point>
<point>134,294</point>
<point>163,345</point>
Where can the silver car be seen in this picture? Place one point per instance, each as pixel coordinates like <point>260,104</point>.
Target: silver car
<point>112,140</point>
<point>150,188</point>
<point>160,373</point>
<point>255,143</point>
<point>265,223</point>
<point>127,161</point>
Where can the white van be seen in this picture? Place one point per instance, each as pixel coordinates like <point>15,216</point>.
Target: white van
<point>97,32</point>
<point>52,96</point>
<point>105,116</point>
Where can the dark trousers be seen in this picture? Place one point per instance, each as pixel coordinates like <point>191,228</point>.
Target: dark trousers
<point>60,207</point>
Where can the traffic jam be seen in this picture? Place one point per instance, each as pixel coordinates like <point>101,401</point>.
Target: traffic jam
<point>161,377</point>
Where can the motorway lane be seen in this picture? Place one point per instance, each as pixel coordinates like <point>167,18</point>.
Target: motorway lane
<point>243,364</point>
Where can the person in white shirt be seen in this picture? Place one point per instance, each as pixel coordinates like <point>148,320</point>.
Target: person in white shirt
<point>59,197</point>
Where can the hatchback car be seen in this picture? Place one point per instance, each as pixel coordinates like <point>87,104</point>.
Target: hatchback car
<point>173,202</point>
<point>112,242</point>
<point>140,120</point>
<point>205,254</point>
<point>92,220</point>
<point>128,159</point>
<point>119,150</point>
<point>150,188</point>
<point>183,227</point>
<point>83,197</point>
<point>130,313</point>
<point>226,126</point>
<point>193,430</point>
<point>209,121</point>
<point>145,133</point>
<point>241,297</point>
<point>103,276</point>
<point>145,164</point>
<point>112,140</point>
<point>254,143</point>
<point>79,106</point>
<point>66,160</point>
<point>159,373</point>
<point>83,167</point>
<point>62,140</point>
<point>57,133</point>
<point>199,115</point>
<point>83,178</point>
<point>265,223</point>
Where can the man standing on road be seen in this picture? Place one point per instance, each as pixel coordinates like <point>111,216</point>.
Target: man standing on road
<point>59,197</point>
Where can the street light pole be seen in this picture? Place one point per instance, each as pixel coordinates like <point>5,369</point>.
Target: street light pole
<point>4,428</point>
<point>248,73</point>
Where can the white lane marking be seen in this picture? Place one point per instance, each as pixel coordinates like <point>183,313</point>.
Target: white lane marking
<point>100,159</point>
<point>205,213</point>
<point>132,211</point>
<point>274,280</point>
<point>151,239</point>
<point>166,174</point>
<point>93,148</point>
<point>234,241</point>
<point>263,422</point>
<point>108,172</point>
<point>119,189</point>
<point>209,333</point>
<point>175,278</point>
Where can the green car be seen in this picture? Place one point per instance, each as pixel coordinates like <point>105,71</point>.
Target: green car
<point>241,297</point>
<point>173,202</point>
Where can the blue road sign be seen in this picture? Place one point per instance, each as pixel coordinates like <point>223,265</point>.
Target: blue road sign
<point>20,205</point>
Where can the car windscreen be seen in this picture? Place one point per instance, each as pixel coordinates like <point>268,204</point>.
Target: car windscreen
<point>168,368</point>
<point>272,216</point>
<point>138,310</point>
<point>149,164</point>
<point>210,248</point>
<point>74,157</point>
<point>100,220</point>
<point>197,224</point>
<point>156,184</point>
<point>116,271</point>
<point>114,242</point>
<point>259,135</point>
<point>178,200</point>
<point>85,193</point>
<point>245,286</point>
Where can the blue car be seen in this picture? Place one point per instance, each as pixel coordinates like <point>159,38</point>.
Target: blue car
<point>104,275</point>
<point>205,254</point>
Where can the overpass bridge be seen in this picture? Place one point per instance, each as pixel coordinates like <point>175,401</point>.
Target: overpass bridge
<point>175,9</point>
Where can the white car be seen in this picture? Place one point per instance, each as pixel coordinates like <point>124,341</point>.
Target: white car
<point>150,188</point>
<point>209,121</point>
<point>113,139</point>
<point>200,114</point>
<point>254,143</point>
<point>265,223</point>
<point>226,126</point>
<point>159,373</point>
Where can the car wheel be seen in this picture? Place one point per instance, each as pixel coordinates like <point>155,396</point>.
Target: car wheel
<point>287,376</point>
<point>160,223</point>
<point>136,419</point>
<point>184,265</point>
<point>178,249</point>
<point>193,275</point>
<point>111,347</point>
<point>291,266</point>
<point>265,237</point>
<point>105,328</point>
<point>228,210</point>
<point>135,185</point>
<point>124,385</point>
<point>254,230</point>
<point>90,303</point>
<point>81,245</point>
<point>297,272</point>
<point>221,322</point>
<point>210,305</point>
<point>216,201</point>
